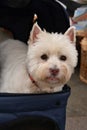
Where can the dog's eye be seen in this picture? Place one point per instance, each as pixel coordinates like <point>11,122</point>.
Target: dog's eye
<point>63,58</point>
<point>44,57</point>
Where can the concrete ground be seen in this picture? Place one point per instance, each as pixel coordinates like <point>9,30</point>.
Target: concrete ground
<point>76,115</point>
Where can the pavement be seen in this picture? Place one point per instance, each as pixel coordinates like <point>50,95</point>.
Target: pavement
<point>76,112</point>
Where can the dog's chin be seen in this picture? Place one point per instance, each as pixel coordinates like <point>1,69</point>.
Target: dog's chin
<point>52,80</point>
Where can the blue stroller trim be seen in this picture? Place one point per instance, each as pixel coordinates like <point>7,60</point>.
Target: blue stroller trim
<point>52,106</point>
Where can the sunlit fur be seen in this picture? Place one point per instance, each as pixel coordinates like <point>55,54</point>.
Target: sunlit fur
<point>18,61</point>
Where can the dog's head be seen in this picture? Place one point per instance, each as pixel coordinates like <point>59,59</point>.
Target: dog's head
<point>51,57</point>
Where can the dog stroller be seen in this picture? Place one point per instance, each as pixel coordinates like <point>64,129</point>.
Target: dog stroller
<point>33,111</point>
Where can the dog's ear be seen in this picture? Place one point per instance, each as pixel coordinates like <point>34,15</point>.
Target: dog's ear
<point>71,33</point>
<point>34,33</point>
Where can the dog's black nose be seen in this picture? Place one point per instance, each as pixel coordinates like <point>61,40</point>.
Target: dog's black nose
<point>54,72</point>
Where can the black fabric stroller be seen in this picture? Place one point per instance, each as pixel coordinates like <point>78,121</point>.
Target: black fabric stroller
<point>33,111</point>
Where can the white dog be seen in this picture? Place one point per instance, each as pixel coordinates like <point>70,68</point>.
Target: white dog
<point>43,66</point>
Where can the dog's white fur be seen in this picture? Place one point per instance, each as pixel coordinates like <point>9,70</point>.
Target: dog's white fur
<point>19,60</point>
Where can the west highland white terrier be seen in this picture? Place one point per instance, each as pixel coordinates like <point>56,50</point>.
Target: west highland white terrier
<point>45,65</point>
